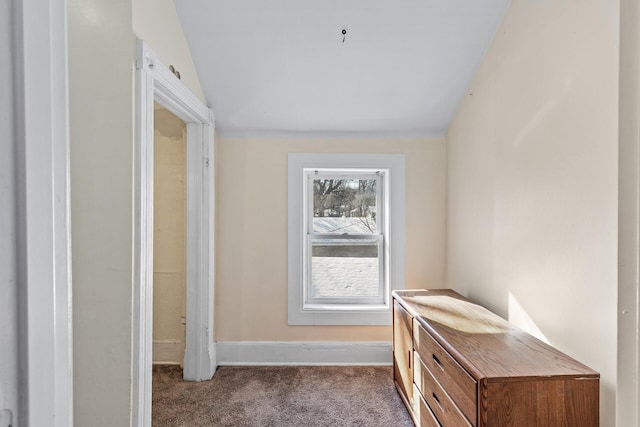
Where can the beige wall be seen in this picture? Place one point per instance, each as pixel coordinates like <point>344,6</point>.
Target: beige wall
<point>101,58</point>
<point>169,237</point>
<point>251,261</point>
<point>629,209</point>
<point>156,22</point>
<point>101,82</point>
<point>532,180</point>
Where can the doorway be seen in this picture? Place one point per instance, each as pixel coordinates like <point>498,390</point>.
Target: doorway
<point>155,83</point>
<point>169,238</point>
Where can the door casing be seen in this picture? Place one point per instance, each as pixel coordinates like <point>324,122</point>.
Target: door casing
<point>156,83</point>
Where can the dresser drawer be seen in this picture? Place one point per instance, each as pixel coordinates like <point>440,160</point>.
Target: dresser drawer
<point>422,412</point>
<point>438,400</point>
<point>460,386</point>
<point>470,367</point>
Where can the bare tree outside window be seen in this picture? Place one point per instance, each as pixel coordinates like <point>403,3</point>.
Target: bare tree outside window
<point>353,200</point>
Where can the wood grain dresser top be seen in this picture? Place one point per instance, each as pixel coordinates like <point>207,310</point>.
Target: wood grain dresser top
<point>485,344</point>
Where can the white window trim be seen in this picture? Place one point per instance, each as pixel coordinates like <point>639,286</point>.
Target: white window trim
<point>379,314</point>
<point>339,303</point>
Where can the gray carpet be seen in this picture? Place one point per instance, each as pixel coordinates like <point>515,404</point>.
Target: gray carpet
<point>279,396</point>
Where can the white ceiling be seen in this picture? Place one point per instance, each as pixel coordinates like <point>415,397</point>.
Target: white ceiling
<point>280,66</point>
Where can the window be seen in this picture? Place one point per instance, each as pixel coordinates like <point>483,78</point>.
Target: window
<point>343,259</point>
<point>346,237</point>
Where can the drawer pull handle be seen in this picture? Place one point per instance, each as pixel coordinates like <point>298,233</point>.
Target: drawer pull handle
<point>409,359</point>
<point>435,397</point>
<point>435,359</point>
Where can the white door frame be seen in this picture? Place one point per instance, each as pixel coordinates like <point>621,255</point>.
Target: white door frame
<point>43,243</point>
<point>628,358</point>
<point>154,82</point>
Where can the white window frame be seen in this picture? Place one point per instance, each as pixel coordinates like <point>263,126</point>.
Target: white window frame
<point>382,229</point>
<point>392,207</point>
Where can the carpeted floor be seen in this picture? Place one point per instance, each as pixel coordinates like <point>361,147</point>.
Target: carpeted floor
<point>279,396</point>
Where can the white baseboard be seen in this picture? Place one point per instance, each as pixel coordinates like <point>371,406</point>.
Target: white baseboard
<point>213,357</point>
<point>303,353</point>
<point>168,352</point>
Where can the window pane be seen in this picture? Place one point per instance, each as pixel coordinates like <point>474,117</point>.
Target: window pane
<point>344,206</point>
<point>344,269</point>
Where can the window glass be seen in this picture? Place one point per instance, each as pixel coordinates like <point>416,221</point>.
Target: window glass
<point>344,206</point>
<point>347,268</point>
<point>344,262</point>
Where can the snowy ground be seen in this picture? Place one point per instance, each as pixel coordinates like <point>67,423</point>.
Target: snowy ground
<point>344,276</point>
<point>333,276</point>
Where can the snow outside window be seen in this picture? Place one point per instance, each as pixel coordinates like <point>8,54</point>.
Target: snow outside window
<point>346,246</point>
<point>344,251</point>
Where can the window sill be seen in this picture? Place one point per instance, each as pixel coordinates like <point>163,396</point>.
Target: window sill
<point>378,315</point>
<point>342,308</point>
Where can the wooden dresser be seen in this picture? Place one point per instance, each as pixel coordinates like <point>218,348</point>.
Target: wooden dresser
<point>457,364</point>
